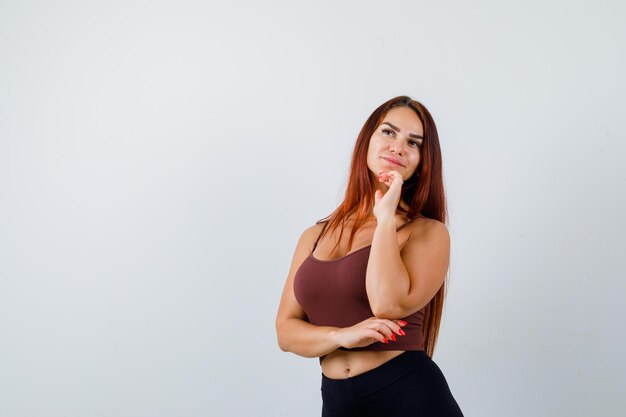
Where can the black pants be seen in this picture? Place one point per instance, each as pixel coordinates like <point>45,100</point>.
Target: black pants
<point>409,385</point>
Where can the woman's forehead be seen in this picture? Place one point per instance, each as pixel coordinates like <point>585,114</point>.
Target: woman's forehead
<point>403,118</point>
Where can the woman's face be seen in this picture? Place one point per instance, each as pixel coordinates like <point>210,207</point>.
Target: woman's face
<point>399,137</point>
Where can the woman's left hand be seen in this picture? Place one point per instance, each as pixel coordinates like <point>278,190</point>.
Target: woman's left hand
<point>385,206</point>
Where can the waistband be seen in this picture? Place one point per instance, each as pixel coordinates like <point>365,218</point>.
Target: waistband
<point>375,379</point>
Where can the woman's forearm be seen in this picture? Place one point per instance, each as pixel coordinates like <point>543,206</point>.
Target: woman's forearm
<point>387,281</point>
<point>306,339</point>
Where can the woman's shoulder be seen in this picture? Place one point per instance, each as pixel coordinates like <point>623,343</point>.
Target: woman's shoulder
<point>310,234</point>
<point>314,229</point>
<point>423,225</point>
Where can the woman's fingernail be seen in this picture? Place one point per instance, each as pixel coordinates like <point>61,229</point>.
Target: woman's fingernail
<point>402,322</point>
<point>393,337</point>
<point>401,332</point>
<point>385,341</point>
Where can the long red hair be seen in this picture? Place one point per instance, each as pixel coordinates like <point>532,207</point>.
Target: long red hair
<point>423,193</point>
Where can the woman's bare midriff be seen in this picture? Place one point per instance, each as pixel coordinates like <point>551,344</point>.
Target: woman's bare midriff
<point>341,364</point>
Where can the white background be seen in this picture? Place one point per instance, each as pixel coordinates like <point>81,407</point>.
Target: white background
<point>159,160</point>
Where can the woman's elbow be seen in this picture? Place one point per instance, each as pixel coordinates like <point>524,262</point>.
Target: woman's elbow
<point>280,337</point>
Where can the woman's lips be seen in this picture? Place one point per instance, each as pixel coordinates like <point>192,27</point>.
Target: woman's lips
<point>393,163</point>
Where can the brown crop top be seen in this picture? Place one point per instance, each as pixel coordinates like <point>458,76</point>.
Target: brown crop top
<point>332,293</point>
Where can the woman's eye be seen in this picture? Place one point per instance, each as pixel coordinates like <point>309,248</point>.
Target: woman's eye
<point>385,131</point>
<point>416,143</point>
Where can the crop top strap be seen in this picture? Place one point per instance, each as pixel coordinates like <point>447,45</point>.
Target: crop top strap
<point>406,224</point>
<point>320,235</point>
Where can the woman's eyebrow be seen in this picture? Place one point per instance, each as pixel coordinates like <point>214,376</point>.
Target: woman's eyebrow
<point>413,135</point>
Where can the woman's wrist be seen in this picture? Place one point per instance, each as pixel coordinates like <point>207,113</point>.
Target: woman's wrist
<point>333,337</point>
<point>386,221</point>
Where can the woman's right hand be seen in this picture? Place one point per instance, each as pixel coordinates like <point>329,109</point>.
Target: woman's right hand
<point>369,331</point>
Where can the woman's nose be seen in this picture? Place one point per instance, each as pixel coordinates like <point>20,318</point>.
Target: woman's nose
<point>397,147</point>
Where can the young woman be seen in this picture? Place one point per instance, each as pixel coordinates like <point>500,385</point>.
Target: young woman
<point>366,286</point>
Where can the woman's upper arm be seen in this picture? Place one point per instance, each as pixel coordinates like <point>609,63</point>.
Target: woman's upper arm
<point>426,257</point>
<point>289,306</point>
